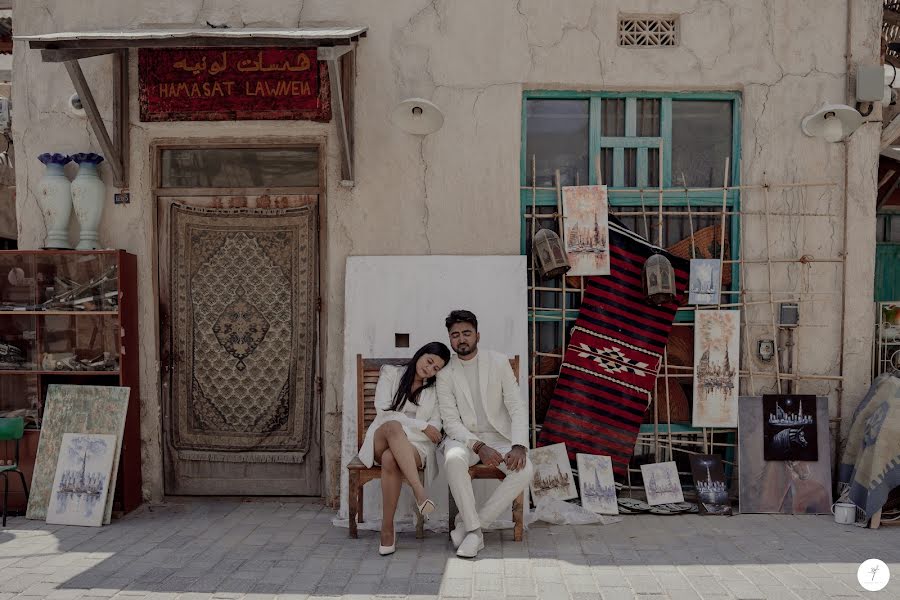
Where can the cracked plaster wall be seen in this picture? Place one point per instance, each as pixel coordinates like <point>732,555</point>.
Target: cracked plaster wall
<point>456,191</point>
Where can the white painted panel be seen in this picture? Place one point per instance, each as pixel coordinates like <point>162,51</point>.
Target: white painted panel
<point>385,295</point>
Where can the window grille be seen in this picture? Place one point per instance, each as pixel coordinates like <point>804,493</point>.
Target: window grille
<point>648,32</point>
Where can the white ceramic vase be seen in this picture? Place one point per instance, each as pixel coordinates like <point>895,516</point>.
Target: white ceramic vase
<point>55,200</point>
<point>88,195</point>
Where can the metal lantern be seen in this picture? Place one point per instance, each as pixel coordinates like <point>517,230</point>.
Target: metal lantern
<point>659,279</point>
<point>549,255</point>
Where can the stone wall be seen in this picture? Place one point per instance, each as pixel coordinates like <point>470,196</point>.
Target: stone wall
<point>474,59</point>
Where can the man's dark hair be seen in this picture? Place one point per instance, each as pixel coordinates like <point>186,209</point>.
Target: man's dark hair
<point>461,316</point>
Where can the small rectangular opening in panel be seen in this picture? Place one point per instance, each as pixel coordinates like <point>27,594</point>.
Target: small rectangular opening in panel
<point>401,340</point>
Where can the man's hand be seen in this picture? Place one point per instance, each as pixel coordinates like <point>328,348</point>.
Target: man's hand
<point>515,458</point>
<point>433,434</point>
<point>489,456</point>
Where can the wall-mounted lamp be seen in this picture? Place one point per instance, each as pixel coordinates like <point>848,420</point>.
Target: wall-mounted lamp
<point>417,116</point>
<point>765,349</point>
<point>834,122</point>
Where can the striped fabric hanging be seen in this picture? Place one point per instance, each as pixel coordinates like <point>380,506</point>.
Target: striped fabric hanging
<point>614,354</point>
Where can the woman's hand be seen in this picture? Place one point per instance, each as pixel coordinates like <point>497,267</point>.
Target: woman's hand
<point>433,434</point>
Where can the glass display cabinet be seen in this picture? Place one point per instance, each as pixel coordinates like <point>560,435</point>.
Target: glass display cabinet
<point>69,317</point>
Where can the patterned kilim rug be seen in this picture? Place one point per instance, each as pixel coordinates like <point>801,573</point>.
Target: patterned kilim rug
<point>614,354</point>
<point>243,326</point>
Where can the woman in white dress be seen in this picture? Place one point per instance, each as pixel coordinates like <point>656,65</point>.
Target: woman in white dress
<point>404,434</point>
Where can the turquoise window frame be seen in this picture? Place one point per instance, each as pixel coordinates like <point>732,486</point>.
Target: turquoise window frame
<point>673,196</point>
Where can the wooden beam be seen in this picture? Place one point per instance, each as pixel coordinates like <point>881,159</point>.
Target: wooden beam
<point>190,42</point>
<point>344,121</point>
<point>96,121</point>
<point>121,112</point>
<point>64,55</point>
<point>890,133</point>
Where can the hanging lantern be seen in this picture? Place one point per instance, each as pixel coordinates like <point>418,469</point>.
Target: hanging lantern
<point>548,254</point>
<point>659,279</point>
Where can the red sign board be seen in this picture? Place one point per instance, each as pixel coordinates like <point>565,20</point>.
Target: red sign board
<point>227,84</point>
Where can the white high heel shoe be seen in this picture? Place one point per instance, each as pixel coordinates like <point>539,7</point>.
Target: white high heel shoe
<point>386,550</point>
<point>427,507</point>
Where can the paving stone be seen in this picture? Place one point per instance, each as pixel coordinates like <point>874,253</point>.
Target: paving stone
<point>201,552</point>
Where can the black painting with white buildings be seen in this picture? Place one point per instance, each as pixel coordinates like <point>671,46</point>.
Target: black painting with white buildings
<point>712,487</point>
<point>789,428</point>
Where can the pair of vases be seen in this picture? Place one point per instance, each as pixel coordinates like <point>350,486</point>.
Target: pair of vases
<point>58,197</point>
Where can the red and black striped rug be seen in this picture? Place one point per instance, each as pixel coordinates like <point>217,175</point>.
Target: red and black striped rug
<point>614,354</point>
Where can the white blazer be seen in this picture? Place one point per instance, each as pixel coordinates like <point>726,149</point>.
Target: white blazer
<point>427,413</point>
<point>506,410</point>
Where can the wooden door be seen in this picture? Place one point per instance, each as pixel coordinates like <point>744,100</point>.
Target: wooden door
<point>239,319</point>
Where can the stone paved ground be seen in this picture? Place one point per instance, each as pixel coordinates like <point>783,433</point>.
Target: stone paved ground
<point>198,550</point>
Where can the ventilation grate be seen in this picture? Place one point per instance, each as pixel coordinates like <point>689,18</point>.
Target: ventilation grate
<point>648,31</point>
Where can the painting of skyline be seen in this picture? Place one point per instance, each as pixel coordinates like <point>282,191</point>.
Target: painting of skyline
<point>552,473</point>
<point>705,282</point>
<point>789,427</point>
<point>661,483</point>
<point>586,224</point>
<point>712,487</point>
<point>716,357</point>
<point>81,483</point>
<point>598,488</point>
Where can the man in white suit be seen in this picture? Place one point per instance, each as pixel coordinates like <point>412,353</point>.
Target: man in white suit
<point>485,419</point>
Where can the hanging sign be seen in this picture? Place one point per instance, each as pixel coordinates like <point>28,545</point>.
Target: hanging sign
<point>228,84</point>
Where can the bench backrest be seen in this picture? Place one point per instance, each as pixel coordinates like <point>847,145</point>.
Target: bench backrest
<point>367,372</point>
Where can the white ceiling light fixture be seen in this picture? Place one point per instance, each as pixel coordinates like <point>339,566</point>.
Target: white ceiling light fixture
<point>417,116</point>
<point>834,122</point>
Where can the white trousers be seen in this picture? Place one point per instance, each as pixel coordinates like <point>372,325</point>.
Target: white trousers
<point>457,460</point>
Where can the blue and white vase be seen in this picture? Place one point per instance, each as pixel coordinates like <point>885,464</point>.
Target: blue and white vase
<point>88,196</point>
<point>55,199</point>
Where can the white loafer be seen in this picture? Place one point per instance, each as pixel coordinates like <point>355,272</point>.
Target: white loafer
<point>385,550</point>
<point>471,545</point>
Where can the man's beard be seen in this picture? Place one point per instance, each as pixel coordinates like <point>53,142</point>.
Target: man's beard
<point>467,352</point>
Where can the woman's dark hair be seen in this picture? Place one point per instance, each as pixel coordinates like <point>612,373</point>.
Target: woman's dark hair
<point>461,316</point>
<point>405,392</point>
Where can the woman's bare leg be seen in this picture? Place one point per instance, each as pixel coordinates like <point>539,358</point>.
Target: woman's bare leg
<point>391,435</point>
<point>391,480</point>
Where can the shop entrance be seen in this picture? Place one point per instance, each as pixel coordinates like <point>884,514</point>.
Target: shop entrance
<point>238,242</point>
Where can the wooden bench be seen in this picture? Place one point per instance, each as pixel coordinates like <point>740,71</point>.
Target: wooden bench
<point>367,372</point>
<point>480,471</point>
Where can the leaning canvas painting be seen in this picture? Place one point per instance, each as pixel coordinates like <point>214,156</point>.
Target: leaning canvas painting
<point>552,473</point>
<point>598,488</point>
<point>82,478</point>
<point>782,486</point>
<point>789,427</point>
<point>706,277</point>
<point>712,488</point>
<point>661,483</point>
<point>586,234</point>
<point>716,356</point>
